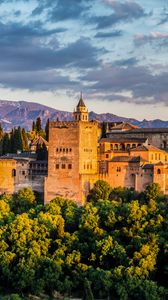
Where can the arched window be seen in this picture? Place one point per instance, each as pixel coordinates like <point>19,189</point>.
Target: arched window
<point>158,171</point>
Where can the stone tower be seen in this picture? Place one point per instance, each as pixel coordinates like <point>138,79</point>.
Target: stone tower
<point>81,112</point>
<point>72,157</point>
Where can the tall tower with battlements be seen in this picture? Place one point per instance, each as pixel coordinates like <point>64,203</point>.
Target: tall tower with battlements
<point>72,157</point>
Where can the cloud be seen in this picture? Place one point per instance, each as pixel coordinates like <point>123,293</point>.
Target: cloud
<point>60,10</point>
<point>113,34</point>
<point>137,81</point>
<point>164,18</point>
<point>27,48</point>
<point>141,39</point>
<point>126,62</point>
<point>122,12</point>
<point>37,80</point>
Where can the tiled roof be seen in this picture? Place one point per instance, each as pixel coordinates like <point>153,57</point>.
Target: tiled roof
<point>130,159</point>
<point>146,148</point>
<point>124,125</point>
<point>123,140</point>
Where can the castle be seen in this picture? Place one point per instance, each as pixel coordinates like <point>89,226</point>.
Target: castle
<point>80,152</point>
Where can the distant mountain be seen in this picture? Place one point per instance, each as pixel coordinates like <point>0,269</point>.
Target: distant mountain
<point>22,113</point>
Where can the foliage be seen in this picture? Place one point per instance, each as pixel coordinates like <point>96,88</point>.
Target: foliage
<point>101,190</point>
<point>116,243</point>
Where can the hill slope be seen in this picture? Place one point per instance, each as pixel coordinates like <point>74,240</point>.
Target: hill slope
<point>22,113</point>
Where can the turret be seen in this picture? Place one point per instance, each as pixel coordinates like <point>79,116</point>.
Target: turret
<point>81,112</point>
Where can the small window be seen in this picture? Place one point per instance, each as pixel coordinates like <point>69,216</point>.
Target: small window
<point>107,156</point>
<point>70,150</point>
<point>158,171</point>
<point>60,149</point>
<point>57,150</point>
<point>156,156</point>
<point>63,166</point>
<point>63,149</point>
<point>69,166</point>
<point>23,172</point>
<point>13,173</point>
<point>57,166</point>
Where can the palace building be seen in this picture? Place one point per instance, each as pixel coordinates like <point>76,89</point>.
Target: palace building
<point>80,152</point>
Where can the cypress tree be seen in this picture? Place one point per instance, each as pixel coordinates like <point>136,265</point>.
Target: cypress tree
<point>17,143</point>
<point>33,126</point>
<point>1,132</point>
<point>25,140</point>
<point>6,144</point>
<point>41,152</point>
<point>47,130</point>
<point>38,124</point>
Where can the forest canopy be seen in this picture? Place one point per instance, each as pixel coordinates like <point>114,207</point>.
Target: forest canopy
<point>115,246</point>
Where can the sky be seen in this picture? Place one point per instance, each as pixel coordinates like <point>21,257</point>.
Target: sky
<point>114,51</point>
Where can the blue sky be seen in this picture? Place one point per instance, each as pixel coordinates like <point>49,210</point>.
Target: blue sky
<point>115,51</point>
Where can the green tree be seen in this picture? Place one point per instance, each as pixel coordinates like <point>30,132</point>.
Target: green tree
<point>47,130</point>
<point>101,190</point>
<point>38,125</point>
<point>25,140</point>
<point>24,200</point>
<point>6,144</point>
<point>41,152</point>
<point>152,191</point>
<point>87,290</point>
<point>33,126</point>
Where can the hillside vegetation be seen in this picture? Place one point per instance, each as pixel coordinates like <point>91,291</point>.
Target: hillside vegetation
<point>115,246</point>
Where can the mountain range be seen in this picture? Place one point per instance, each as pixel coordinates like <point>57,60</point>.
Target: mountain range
<point>23,113</point>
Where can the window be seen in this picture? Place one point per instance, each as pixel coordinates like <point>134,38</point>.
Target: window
<point>13,173</point>
<point>156,156</point>
<point>158,171</point>
<point>107,156</point>
<point>23,172</point>
<point>151,156</point>
<point>57,150</point>
<point>70,150</point>
<point>69,166</point>
<point>57,166</point>
<point>63,166</point>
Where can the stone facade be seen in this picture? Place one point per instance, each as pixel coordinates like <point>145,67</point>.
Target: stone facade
<point>17,172</point>
<point>72,159</point>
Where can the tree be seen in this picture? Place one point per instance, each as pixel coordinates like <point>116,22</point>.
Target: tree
<point>16,140</point>
<point>41,152</point>
<point>24,200</point>
<point>87,290</point>
<point>1,132</point>
<point>25,140</point>
<point>6,144</point>
<point>47,130</point>
<point>33,126</point>
<point>38,125</point>
<point>101,190</point>
<point>152,191</point>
